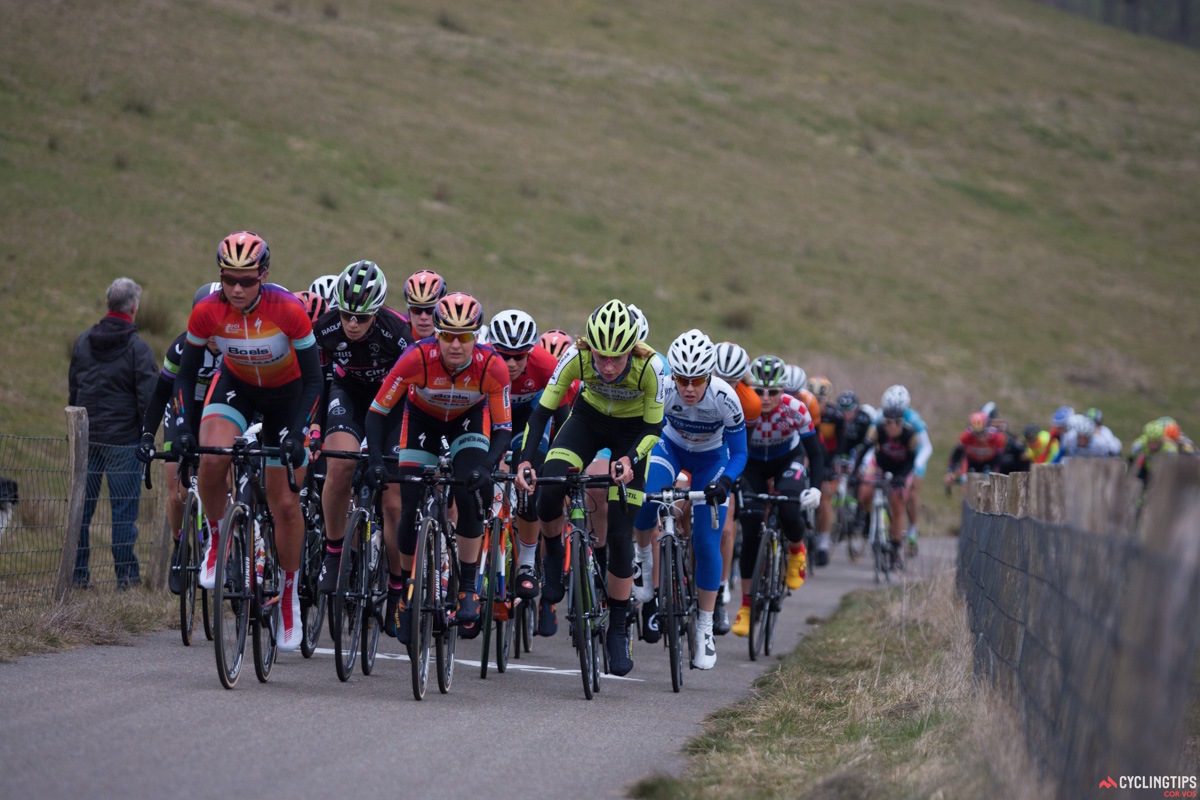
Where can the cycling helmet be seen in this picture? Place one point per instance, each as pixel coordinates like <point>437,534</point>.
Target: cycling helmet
<point>513,331</point>
<point>361,288</point>
<point>1154,431</point>
<point>977,422</point>
<point>1095,414</point>
<point>895,397</point>
<point>768,372</point>
<point>484,334</point>
<point>893,412</point>
<point>822,388</point>
<point>1061,415</point>
<point>611,329</point>
<point>244,250</point>
<point>794,379</point>
<point>314,304</point>
<point>424,288</point>
<point>1081,424</point>
<point>692,355</point>
<point>556,342</point>
<point>733,362</point>
<point>458,313</point>
<point>1032,431</point>
<point>327,287</point>
<point>643,325</point>
<point>1171,429</point>
<point>204,291</point>
<point>870,410</point>
<point>847,400</point>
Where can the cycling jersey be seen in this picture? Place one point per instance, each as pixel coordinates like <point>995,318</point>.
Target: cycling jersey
<point>703,426</point>
<point>443,394</point>
<point>829,428</point>
<point>157,411</point>
<point>779,432</point>
<point>362,364</point>
<point>1100,444</point>
<point>979,452</point>
<point>1044,449</point>
<point>854,431</point>
<point>751,405</point>
<point>894,453</point>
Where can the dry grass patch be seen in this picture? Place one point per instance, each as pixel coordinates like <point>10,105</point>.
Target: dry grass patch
<point>879,702</point>
<point>84,618</point>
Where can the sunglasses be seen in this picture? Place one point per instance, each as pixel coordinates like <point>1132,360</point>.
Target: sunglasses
<point>513,356</point>
<point>682,381</point>
<point>607,360</point>
<point>423,311</point>
<point>761,392</point>
<point>466,337</point>
<point>245,283</point>
<point>358,319</point>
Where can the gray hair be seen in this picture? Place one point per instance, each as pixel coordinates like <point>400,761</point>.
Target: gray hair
<point>123,295</point>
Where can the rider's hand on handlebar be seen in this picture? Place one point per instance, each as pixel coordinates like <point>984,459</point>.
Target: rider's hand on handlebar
<point>810,498</point>
<point>621,470</point>
<point>145,448</point>
<point>291,449</point>
<point>185,444</point>
<point>523,469</point>
<point>717,492</point>
<point>376,475</point>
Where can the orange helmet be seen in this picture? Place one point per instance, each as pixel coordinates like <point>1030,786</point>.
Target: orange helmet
<point>244,250</point>
<point>555,341</point>
<point>314,304</point>
<point>458,313</point>
<point>977,422</point>
<point>424,288</point>
<point>1171,430</point>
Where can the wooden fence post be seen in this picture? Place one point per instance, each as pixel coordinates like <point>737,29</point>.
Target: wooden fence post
<point>1094,494</point>
<point>1018,494</point>
<point>999,484</point>
<point>77,465</point>
<point>1047,483</point>
<point>976,491</point>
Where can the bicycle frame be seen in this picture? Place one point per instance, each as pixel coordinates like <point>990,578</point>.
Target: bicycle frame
<point>676,586</point>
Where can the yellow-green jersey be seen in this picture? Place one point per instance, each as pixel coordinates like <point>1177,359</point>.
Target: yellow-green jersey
<point>638,394</point>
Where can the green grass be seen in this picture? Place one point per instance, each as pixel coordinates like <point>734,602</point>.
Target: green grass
<point>984,199</point>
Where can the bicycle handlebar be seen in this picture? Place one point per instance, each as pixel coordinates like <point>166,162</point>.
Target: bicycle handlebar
<point>670,495</point>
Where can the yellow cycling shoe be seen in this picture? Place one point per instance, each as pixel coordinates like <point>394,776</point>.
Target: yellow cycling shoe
<point>796,568</point>
<point>741,625</point>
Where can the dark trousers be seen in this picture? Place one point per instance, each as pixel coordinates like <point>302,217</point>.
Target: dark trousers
<point>124,473</point>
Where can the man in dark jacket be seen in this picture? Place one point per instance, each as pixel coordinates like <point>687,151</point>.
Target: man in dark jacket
<point>112,375</point>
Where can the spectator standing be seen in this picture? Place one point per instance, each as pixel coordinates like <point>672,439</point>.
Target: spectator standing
<point>112,375</point>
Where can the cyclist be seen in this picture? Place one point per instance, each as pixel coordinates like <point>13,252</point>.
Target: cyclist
<point>979,449</point>
<point>778,442</point>
<point>1015,457</point>
<point>555,342</point>
<point>270,365</point>
<point>1149,447</point>
<point>1041,446</point>
<point>362,338</point>
<point>457,392</point>
<point>326,287</point>
<point>158,411</point>
<point>829,431</point>
<point>1083,440</point>
<point>704,434</point>
<point>620,406</point>
<point>733,367</point>
<point>422,291</point>
<point>892,446</point>
<point>898,395</point>
<point>1174,434</point>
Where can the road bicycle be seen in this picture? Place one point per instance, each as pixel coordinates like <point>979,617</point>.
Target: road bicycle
<point>767,584</point>
<point>357,603</point>
<point>587,598</point>
<point>312,601</point>
<point>845,510</point>
<point>499,606</point>
<point>879,528</point>
<point>677,605</point>
<point>185,559</point>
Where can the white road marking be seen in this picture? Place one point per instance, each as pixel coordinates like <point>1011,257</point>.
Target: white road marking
<point>574,673</point>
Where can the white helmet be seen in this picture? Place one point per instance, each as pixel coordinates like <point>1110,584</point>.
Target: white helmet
<point>895,397</point>
<point>513,330</point>
<point>639,319</point>
<point>483,335</point>
<point>1082,424</point>
<point>692,355</point>
<point>794,379</point>
<point>870,410</point>
<point>733,362</point>
<point>326,286</point>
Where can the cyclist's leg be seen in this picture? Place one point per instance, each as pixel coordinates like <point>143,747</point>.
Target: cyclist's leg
<point>344,431</point>
<point>468,450</point>
<point>706,544</point>
<point>598,503</point>
<point>825,521</point>
<point>664,466</point>
<point>791,478</point>
<point>574,445</point>
<point>754,478</point>
<point>415,450</point>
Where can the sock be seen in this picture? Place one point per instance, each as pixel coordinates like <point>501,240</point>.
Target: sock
<point>555,547</point>
<point>396,582</point>
<point>645,555</point>
<point>466,576</point>
<point>619,615</point>
<point>705,621</point>
<point>333,548</point>
<point>745,600</point>
<point>526,553</point>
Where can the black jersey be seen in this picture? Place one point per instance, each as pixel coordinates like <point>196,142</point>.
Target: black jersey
<point>362,365</point>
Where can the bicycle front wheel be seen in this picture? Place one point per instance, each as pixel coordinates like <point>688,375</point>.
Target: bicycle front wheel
<point>778,590</point>
<point>267,617</point>
<point>581,623</point>
<point>491,579</point>
<point>374,603</point>
<point>346,604</point>
<point>446,630</point>
<point>668,606</point>
<point>231,599</point>
<point>186,566</point>
<point>312,602</point>
<point>760,583</point>
<point>426,589</point>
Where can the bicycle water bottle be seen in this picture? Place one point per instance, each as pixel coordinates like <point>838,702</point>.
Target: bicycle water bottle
<point>260,550</point>
<point>375,539</point>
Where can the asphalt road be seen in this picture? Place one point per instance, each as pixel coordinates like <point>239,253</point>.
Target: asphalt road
<point>152,720</point>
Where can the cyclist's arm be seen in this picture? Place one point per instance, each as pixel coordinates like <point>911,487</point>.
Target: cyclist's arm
<point>924,451</point>
<point>190,363</point>
<point>735,440</point>
<point>312,382</point>
<point>567,371</point>
<point>816,456</point>
<point>497,387</point>
<point>654,391</point>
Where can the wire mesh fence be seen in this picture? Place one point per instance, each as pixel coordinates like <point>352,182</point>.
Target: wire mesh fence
<point>1173,20</point>
<point>35,493</point>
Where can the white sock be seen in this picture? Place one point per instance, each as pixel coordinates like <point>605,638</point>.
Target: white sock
<point>527,554</point>
<point>704,622</point>
<point>645,554</point>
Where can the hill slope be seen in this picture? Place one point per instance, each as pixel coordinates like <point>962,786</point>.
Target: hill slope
<point>983,198</point>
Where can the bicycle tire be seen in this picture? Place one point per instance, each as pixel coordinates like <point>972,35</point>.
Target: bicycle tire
<point>778,591</point>
<point>346,604</point>
<point>491,583</point>
<point>446,638</point>
<point>759,589</point>
<point>425,575</point>
<point>231,595</point>
<point>186,566</point>
<point>668,621</point>
<point>580,622</point>
<point>374,605</point>
<point>267,622</point>
<point>206,612</point>
<point>688,599</point>
<point>312,601</point>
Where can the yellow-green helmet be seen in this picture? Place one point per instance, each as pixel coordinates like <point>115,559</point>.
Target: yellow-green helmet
<point>611,330</point>
<point>1155,430</point>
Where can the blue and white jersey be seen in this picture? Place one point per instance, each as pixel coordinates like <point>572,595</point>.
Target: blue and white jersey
<point>702,427</point>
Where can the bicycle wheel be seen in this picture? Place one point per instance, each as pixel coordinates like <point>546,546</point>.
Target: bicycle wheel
<point>267,621</point>
<point>374,604</point>
<point>687,598</point>
<point>345,613</point>
<point>231,594</point>
<point>759,594</point>
<point>446,628</point>
<point>777,592</point>
<point>505,624</point>
<point>668,598</point>
<point>882,562</point>
<point>424,595</point>
<point>186,565</point>
<point>581,631</point>
<point>312,602</point>
<point>490,569</point>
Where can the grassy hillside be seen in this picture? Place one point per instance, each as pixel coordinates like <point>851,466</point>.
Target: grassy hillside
<point>985,199</point>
